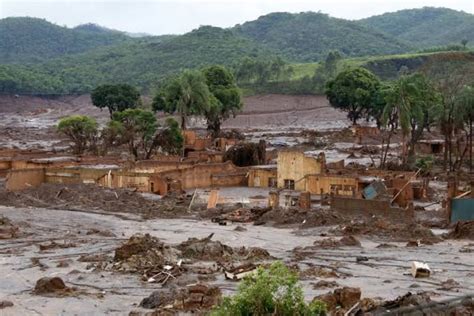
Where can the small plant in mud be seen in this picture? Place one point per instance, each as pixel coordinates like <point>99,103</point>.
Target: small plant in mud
<point>425,164</point>
<point>271,291</point>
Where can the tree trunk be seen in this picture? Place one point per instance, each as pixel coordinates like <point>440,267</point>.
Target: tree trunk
<point>470,146</point>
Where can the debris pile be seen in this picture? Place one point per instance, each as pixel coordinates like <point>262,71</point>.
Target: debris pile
<point>341,298</point>
<point>381,228</point>
<point>345,241</point>
<point>144,254</point>
<point>89,196</point>
<point>244,215</point>
<point>305,218</point>
<point>462,230</point>
<point>193,298</point>
<point>7,228</point>
<point>207,249</point>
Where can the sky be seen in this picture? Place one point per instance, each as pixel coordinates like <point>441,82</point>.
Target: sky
<point>180,16</point>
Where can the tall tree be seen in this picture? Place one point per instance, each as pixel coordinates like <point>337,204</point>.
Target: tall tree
<point>353,91</point>
<point>450,74</point>
<point>115,98</point>
<point>185,95</point>
<point>227,99</point>
<point>413,101</point>
<point>464,120</point>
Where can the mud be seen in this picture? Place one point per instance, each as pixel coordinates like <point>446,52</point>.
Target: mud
<point>91,197</point>
<point>114,291</point>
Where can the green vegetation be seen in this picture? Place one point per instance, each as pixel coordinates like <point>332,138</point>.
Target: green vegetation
<point>227,101</point>
<point>32,40</point>
<point>37,57</point>
<point>136,128</point>
<point>309,36</point>
<point>272,291</point>
<point>415,104</point>
<point>81,130</point>
<point>185,95</point>
<point>115,98</point>
<point>353,91</point>
<point>211,92</point>
<point>426,27</point>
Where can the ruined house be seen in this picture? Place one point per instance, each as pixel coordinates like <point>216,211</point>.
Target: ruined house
<point>293,166</point>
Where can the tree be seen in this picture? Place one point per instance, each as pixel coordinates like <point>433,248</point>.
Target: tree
<point>450,74</point>
<point>185,95</point>
<point>465,119</point>
<point>226,101</point>
<point>81,130</point>
<point>414,103</point>
<point>271,291</point>
<point>353,91</point>
<point>464,42</point>
<point>139,130</point>
<point>115,98</point>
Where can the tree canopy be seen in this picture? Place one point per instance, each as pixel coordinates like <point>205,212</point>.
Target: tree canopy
<point>81,130</point>
<point>353,91</point>
<point>115,98</point>
<point>222,85</point>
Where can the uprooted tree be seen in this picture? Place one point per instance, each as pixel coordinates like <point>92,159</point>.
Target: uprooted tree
<point>115,98</point>
<point>81,130</point>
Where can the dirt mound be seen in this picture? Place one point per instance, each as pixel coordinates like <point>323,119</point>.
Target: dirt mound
<point>49,285</point>
<point>5,304</point>
<point>207,249</point>
<point>88,196</point>
<point>195,298</point>
<point>306,218</point>
<point>346,241</point>
<point>8,229</point>
<point>462,230</point>
<point>244,215</point>
<point>384,229</point>
<point>142,253</point>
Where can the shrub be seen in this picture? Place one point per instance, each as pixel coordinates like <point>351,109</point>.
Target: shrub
<point>272,291</point>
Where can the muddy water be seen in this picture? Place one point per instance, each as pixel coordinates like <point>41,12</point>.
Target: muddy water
<point>384,275</point>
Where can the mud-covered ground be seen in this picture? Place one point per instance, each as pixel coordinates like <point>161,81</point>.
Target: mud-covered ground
<point>73,244</point>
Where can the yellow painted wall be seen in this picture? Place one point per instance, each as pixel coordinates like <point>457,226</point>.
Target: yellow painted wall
<point>295,165</point>
<point>314,184</point>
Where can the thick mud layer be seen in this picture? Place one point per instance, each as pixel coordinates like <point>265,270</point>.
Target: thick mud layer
<point>82,240</point>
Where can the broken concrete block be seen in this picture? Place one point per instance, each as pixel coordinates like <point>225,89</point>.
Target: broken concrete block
<point>420,270</point>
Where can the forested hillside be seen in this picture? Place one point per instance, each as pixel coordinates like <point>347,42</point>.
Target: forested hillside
<point>37,57</point>
<point>29,40</point>
<point>309,36</point>
<point>425,27</point>
<point>142,62</point>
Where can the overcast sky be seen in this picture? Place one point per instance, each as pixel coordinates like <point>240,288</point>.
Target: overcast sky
<point>180,16</point>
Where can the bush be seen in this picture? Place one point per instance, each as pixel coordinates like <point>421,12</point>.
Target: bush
<point>272,291</point>
<point>425,164</point>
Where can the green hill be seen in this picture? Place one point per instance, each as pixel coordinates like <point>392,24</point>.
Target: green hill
<point>142,62</point>
<point>30,40</point>
<point>425,27</point>
<point>310,36</point>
